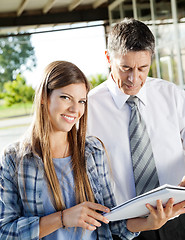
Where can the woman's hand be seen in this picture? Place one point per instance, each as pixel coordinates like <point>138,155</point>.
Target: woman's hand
<point>158,216</point>
<point>84,215</point>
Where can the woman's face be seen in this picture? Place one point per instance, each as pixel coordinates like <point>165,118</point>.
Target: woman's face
<point>66,105</point>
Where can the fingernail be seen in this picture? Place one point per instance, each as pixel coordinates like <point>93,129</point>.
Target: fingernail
<point>106,220</point>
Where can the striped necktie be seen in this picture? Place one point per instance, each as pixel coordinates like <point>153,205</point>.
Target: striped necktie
<point>144,168</point>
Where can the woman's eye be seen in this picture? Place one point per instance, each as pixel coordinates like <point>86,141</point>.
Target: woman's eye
<point>83,102</point>
<point>64,97</point>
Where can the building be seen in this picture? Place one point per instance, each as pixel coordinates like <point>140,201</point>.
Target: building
<point>166,19</point>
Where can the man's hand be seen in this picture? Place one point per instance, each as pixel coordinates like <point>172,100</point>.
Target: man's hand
<point>182,183</point>
<point>158,216</point>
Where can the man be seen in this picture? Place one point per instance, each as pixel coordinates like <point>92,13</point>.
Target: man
<point>161,106</point>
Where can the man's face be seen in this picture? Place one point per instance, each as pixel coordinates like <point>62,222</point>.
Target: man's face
<point>130,71</point>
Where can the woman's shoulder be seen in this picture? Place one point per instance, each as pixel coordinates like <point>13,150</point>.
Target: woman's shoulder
<point>11,150</point>
<point>93,144</point>
<point>14,152</point>
<point>9,158</point>
<point>94,151</point>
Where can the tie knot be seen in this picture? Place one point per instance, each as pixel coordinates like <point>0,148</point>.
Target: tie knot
<point>132,101</point>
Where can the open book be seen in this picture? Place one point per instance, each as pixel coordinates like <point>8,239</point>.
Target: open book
<point>135,207</point>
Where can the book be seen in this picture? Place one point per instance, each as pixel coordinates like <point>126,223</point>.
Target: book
<point>135,207</point>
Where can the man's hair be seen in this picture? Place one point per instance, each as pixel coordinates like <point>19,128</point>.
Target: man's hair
<point>130,35</point>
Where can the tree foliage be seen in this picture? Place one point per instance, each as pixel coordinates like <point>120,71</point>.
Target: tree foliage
<point>95,80</point>
<point>16,55</point>
<point>17,92</point>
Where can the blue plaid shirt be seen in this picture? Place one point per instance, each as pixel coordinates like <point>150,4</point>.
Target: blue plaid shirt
<point>21,203</point>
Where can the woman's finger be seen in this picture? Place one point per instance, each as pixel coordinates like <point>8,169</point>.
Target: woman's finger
<point>87,226</point>
<point>96,206</point>
<point>92,221</point>
<point>93,214</point>
<point>84,212</point>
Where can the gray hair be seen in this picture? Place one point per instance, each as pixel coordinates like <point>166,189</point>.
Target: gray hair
<point>130,35</point>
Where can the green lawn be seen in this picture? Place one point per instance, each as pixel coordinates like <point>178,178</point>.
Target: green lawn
<point>15,110</point>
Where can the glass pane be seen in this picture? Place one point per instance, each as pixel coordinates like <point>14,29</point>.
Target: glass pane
<point>165,34</point>
<point>143,10</point>
<point>115,14</point>
<point>181,28</point>
<point>169,64</point>
<point>183,59</point>
<point>127,9</point>
<point>181,10</point>
<point>162,10</point>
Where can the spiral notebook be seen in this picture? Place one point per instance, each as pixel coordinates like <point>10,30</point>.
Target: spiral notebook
<point>135,207</point>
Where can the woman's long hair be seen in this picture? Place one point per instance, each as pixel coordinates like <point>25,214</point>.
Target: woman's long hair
<point>60,74</point>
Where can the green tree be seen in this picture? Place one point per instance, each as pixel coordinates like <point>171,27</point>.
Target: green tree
<point>17,92</point>
<point>95,80</point>
<point>16,55</point>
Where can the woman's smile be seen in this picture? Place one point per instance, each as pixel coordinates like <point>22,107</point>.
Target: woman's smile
<point>68,118</point>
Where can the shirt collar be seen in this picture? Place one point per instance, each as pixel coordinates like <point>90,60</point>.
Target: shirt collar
<point>119,97</point>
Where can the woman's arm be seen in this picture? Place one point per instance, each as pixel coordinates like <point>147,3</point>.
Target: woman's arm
<point>83,215</point>
<point>49,224</point>
<point>14,223</point>
<point>20,220</point>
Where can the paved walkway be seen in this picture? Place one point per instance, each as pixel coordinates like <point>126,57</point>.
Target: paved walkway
<point>12,129</point>
<point>17,121</point>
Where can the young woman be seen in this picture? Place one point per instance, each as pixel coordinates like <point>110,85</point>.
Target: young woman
<point>54,182</point>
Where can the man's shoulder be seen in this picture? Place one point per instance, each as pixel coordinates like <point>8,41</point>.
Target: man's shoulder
<point>152,80</point>
<point>156,83</point>
<point>165,90</point>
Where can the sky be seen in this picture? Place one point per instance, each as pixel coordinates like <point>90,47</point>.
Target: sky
<point>84,47</point>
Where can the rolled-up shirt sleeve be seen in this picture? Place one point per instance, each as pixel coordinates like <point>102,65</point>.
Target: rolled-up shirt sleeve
<point>14,224</point>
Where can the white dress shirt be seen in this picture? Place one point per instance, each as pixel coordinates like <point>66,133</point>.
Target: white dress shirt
<point>162,105</point>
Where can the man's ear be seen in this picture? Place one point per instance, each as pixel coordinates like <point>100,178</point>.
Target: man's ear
<point>108,58</point>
